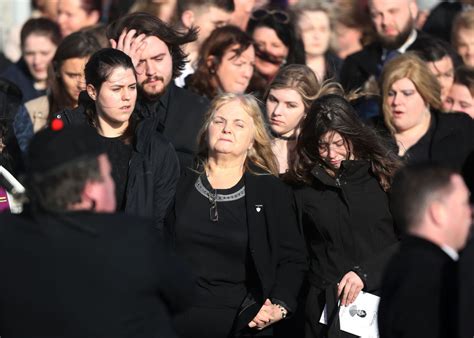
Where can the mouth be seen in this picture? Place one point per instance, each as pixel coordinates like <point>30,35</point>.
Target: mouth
<point>125,107</point>
<point>276,122</point>
<point>153,80</point>
<point>397,113</point>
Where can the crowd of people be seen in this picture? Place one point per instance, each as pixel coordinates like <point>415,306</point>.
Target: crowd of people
<point>229,168</point>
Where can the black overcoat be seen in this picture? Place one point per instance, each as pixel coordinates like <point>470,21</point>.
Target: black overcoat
<point>83,274</point>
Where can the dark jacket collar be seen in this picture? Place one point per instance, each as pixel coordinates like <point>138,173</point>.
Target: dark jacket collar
<point>350,170</point>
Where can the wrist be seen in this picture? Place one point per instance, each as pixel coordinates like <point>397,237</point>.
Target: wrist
<point>284,312</point>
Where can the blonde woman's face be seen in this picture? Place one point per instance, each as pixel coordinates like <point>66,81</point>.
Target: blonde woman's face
<point>407,108</point>
<point>285,110</point>
<point>231,131</point>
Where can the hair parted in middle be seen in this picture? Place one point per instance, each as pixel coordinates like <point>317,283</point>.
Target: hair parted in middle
<point>261,153</point>
<point>150,25</point>
<point>216,45</point>
<point>334,113</point>
<point>299,78</point>
<point>410,66</point>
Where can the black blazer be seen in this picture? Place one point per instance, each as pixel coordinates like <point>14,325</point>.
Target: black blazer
<point>179,115</point>
<point>275,243</point>
<point>419,293</point>
<point>83,274</point>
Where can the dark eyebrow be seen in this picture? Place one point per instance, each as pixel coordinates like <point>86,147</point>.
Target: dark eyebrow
<point>154,56</point>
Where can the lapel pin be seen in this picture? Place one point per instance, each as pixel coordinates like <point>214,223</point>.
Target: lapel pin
<point>258,207</point>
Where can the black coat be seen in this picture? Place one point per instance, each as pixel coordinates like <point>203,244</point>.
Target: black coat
<point>451,143</point>
<point>419,292</point>
<point>466,291</point>
<point>153,169</point>
<point>275,244</point>
<point>358,67</point>
<point>178,115</point>
<point>347,223</point>
<point>87,275</point>
<point>347,227</point>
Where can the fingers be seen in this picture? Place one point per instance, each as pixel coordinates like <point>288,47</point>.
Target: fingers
<point>349,287</point>
<point>113,43</point>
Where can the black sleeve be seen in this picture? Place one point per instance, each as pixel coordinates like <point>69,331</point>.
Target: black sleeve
<point>165,179</point>
<point>292,261</point>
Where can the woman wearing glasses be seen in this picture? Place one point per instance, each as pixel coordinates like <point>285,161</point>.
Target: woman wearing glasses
<point>234,222</point>
<point>341,175</point>
<point>277,43</point>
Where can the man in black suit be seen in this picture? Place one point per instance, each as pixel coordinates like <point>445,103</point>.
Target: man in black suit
<point>394,22</point>
<point>419,292</point>
<point>71,268</point>
<point>156,51</point>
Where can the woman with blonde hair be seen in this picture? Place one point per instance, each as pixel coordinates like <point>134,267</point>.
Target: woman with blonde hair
<point>411,110</point>
<point>234,223</point>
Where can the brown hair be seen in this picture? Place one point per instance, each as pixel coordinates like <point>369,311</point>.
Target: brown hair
<point>216,45</point>
<point>410,66</point>
<point>261,153</point>
<point>464,20</point>
<point>465,76</point>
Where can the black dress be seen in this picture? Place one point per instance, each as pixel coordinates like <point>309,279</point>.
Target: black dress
<point>348,227</point>
<point>214,229</point>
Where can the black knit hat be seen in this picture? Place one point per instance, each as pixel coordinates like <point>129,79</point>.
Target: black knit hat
<point>58,145</point>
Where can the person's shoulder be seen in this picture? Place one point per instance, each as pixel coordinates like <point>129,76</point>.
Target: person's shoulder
<point>187,96</point>
<point>368,51</point>
<point>38,104</point>
<point>458,121</point>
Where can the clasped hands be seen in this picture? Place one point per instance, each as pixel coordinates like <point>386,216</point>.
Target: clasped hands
<point>269,314</point>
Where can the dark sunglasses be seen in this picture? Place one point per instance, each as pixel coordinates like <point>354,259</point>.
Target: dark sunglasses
<point>279,16</point>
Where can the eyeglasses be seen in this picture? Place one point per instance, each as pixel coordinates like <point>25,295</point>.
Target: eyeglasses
<point>278,15</point>
<point>213,215</point>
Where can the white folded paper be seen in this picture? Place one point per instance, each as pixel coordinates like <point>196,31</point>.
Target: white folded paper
<point>359,318</point>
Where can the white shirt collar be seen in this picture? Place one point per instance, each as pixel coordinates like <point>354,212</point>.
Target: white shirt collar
<point>411,38</point>
<point>450,252</point>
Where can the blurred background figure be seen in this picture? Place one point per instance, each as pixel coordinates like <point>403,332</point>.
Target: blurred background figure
<point>424,10</point>
<point>462,36</point>
<point>39,40</point>
<point>76,14</point>
<point>315,24</point>
<point>420,289</point>
<point>441,60</point>
<point>40,9</point>
<point>242,11</point>
<point>65,78</point>
<point>353,29</point>
<point>412,116</point>
<point>204,15</point>
<point>165,10</point>
<point>226,63</point>
<point>440,21</point>
<point>277,44</point>
<point>461,96</point>
<point>287,101</point>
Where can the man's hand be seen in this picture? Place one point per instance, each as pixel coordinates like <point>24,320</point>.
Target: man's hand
<point>131,45</point>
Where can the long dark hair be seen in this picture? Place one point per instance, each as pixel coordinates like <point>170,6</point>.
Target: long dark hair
<point>98,69</point>
<point>220,40</point>
<point>333,113</point>
<point>76,45</point>
<point>150,25</point>
<point>285,30</point>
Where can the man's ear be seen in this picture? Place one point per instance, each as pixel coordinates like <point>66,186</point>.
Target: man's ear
<point>187,18</point>
<point>438,213</point>
<point>88,195</point>
<point>91,92</point>
<point>93,17</point>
